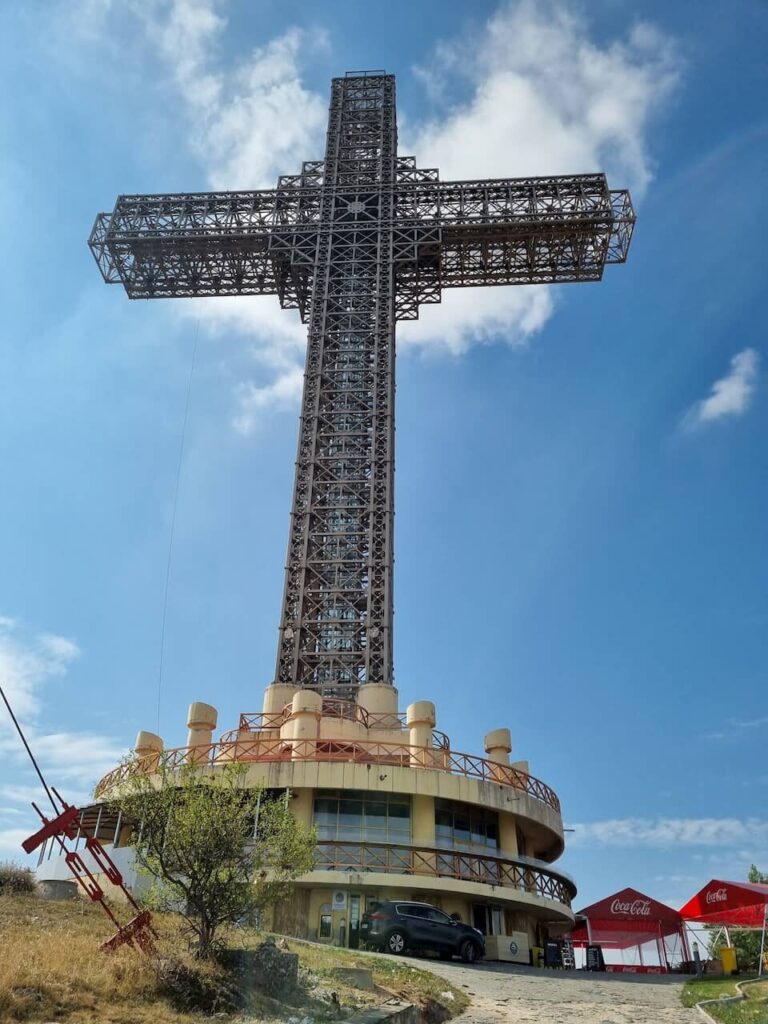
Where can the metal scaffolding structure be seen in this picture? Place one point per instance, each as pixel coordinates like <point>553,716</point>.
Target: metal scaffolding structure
<point>356,242</point>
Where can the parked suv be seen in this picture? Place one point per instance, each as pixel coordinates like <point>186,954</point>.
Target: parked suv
<point>396,926</point>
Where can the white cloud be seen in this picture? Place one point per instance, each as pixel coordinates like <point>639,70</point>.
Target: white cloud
<point>472,316</point>
<point>667,832</point>
<point>730,395</point>
<point>248,123</point>
<point>735,727</point>
<point>20,794</point>
<point>283,393</point>
<point>11,840</point>
<point>544,98</point>
<point>27,661</point>
<point>30,662</point>
<point>539,96</point>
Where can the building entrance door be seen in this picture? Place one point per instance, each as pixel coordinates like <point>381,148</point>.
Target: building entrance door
<point>480,917</point>
<point>489,919</point>
<point>354,920</point>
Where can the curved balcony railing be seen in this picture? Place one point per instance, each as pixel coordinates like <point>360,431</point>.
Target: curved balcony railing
<point>267,750</point>
<point>333,707</point>
<point>331,855</point>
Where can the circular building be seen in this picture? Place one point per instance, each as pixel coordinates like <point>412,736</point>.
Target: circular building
<point>399,814</point>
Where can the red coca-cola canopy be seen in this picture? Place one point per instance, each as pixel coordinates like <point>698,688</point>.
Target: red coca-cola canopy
<point>737,903</point>
<point>625,918</point>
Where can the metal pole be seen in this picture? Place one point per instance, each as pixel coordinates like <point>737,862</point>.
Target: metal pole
<point>684,939</point>
<point>256,816</point>
<point>23,739</point>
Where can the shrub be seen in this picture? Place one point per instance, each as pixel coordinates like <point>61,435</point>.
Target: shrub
<point>15,879</point>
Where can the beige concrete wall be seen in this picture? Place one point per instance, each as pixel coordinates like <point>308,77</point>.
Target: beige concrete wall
<point>508,834</point>
<point>301,805</point>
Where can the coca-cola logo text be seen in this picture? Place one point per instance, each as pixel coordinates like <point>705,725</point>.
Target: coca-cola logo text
<point>717,896</point>
<point>636,908</point>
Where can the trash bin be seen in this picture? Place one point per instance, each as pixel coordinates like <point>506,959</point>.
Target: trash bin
<point>728,959</point>
<point>537,955</point>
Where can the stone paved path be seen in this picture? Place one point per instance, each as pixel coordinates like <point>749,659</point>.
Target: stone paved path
<point>503,994</point>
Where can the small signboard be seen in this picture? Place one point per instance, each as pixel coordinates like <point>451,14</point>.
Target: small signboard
<point>510,948</point>
<point>552,955</point>
<point>595,961</point>
<point>339,901</point>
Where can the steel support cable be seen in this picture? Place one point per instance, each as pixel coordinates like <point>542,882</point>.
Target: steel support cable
<point>182,444</point>
<point>27,747</point>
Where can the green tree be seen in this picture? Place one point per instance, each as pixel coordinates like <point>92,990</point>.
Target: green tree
<point>746,941</point>
<point>215,848</point>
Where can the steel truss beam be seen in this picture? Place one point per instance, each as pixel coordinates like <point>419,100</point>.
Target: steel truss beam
<point>356,242</point>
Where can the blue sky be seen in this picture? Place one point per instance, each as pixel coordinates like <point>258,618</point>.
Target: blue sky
<point>581,476</point>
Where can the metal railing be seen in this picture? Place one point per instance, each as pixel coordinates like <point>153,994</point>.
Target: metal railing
<point>274,749</point>
<point>332,855</point>
<point>333,707</point>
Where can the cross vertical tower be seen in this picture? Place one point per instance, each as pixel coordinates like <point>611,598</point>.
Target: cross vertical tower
<point>336,623</point>
<point>355,243</point>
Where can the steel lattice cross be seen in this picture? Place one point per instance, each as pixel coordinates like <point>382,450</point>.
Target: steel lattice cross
<point>356,242</point>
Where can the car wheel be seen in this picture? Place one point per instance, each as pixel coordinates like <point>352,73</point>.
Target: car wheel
<point>468,951</point>
<point>396,943</point>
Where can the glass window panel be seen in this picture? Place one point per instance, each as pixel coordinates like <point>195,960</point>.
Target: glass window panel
<point>375,813</point>
<point>461,829</point>
<point>399,836</point>
<point>400,811</point>
<point>444,819</point>
<point>349,833</point>
<point>350,812</point>
<point>326,811</point>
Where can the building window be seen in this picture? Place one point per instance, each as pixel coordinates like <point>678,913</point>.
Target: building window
<point>465,826</point>
<point>324,930</point>
<point>356,816</point>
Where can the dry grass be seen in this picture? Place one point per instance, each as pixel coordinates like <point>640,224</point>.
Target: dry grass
<point>50,967</point>
<point>51,970</point>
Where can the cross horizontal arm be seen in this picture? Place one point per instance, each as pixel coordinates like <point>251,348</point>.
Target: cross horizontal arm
<point>509,231</point>
<point>215,243</point>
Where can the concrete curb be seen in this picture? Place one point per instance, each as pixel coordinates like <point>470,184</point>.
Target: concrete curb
<point>405,1013</point>
<point>725,1000</point>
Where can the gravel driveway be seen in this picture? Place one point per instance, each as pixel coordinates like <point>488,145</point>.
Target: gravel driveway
<point>516,995</point>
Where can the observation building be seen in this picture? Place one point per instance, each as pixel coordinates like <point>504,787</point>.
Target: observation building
<point>355,242</point>
<point>399,813</point>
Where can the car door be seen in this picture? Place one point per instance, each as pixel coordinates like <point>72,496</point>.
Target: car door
<point>444,933</point>
<point>414,918</point>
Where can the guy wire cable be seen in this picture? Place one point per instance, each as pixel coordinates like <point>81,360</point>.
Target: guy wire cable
<point>173,520</point>
<point>28,749</point>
